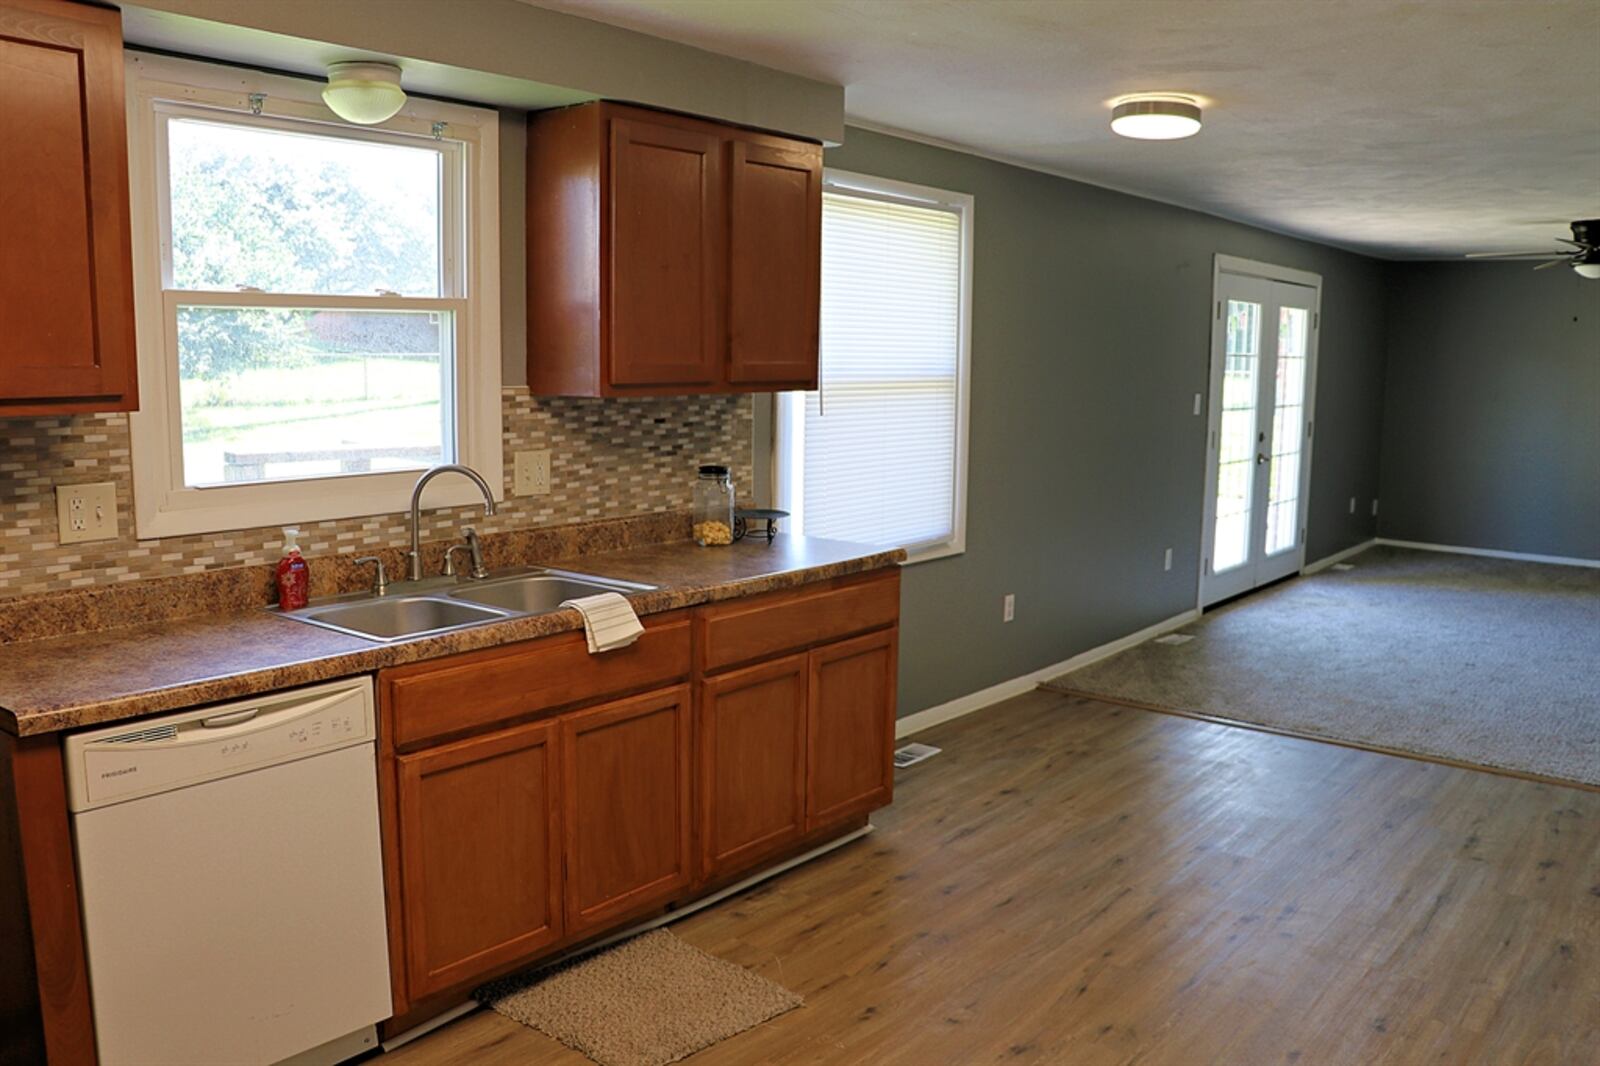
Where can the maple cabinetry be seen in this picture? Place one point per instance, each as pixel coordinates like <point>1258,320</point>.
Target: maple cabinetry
<point>850,727</point>
<point>795,742</point>
<point>753,763</point>
<point>669,254</point>
<point>536,796</point>
<point>480,854</point>
<point>626,768</point>
<point>66,282</point>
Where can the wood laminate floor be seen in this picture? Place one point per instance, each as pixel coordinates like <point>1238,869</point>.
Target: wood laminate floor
<point>1076,882</point>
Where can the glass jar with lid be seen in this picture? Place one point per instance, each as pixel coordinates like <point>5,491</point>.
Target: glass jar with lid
<point>713,506</point>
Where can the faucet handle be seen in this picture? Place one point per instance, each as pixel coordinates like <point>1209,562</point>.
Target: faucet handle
<point>380,583</point>
<point>450,559</point>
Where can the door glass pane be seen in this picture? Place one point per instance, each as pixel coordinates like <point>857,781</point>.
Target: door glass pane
<point>1288,430</point>
<point>1236,436</point>
<point>272,394</point>
<point>255,207</point>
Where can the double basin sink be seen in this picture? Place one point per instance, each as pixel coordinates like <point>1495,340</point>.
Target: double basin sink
<point>438,605</point>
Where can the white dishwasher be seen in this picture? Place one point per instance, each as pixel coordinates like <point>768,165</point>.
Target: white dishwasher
<point>232,881</point>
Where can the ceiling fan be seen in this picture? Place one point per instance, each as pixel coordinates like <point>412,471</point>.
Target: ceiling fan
<point>1584,258</point>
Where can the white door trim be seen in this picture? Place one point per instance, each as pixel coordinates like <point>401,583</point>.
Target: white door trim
<point>1236,265</point>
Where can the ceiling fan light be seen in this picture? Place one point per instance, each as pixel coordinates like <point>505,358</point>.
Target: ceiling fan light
<point>364,93</point>
<point>1154,117</point>
<point>1590,268</point>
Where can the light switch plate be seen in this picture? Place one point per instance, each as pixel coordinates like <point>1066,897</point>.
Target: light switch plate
<point>530,474</point>
<point>86,512</point>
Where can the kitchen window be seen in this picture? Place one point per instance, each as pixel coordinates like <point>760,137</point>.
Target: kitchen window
<point>878,454</point>
<point>317,302</point>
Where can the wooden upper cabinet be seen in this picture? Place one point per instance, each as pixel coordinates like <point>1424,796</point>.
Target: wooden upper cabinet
<point>774,264</point>
<point>66,284</point>
<point>669,255</point>
<point>479,835</point>
<point>626,770</point>
<point>662,257</point>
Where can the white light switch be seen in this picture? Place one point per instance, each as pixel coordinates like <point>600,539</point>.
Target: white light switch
<point>86,512</point>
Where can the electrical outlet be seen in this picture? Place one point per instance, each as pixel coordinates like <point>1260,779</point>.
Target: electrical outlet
<point>86,512</point>
<point>1166,563</point>
<point>1374,507</point>
<point>531,473</point>
<point>1352,505</point>
<point>1009,611</point>
<point>1197,403</point>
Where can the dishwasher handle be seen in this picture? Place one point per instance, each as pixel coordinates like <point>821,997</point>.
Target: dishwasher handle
<point>217,721</point>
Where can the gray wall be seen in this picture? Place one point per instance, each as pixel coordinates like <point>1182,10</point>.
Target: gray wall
<point>1492,409</point>
<point>1090,339</point>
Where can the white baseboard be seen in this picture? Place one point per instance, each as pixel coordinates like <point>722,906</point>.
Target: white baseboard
<point>1492,553</point>
<point>1337,557</point>
<point>977,701</point>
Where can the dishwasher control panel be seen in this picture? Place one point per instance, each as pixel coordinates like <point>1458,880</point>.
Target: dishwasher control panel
<point>154,755</point>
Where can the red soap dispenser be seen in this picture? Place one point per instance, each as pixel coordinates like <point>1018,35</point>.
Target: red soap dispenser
<point>294,573</point>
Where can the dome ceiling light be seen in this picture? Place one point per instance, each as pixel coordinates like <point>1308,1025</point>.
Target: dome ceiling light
<point>363,92</point>
<point>1155,116</point>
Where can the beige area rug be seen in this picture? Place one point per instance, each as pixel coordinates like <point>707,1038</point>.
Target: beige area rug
<point>1490,662</point>
<point>645,1002</point>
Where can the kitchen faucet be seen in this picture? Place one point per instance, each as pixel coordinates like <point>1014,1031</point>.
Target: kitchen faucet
<point>414,557</point>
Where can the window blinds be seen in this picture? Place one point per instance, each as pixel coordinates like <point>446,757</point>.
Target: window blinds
<point>873,455</point>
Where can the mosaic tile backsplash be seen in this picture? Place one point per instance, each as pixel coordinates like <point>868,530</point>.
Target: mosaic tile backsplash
<point>609,459</point>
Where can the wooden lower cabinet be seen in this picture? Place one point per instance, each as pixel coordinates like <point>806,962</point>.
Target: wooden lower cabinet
<point>480,854</point>
<point>571,794</point>
<point>850,727</point>
<point>752,747</point>
<point>626,769</point>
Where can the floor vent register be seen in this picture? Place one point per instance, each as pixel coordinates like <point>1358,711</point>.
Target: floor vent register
<point>912,754</point>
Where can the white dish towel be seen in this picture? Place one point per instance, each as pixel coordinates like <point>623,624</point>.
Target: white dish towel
<point>608,621</point>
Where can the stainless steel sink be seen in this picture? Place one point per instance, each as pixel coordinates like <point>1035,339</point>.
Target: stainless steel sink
<point>392,617</point>
<point>438,605</point>
<point>537,593</point>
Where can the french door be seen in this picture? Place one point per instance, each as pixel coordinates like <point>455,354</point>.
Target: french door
<point>1258,458</point>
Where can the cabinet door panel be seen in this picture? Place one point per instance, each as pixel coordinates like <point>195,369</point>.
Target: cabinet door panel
<point>663,266</point>
<point>479,854</point>
<point>851,698</point>
<point>752,763</point>
<point>626,771</point>
<point>774,270</point>
<point>66,291</point>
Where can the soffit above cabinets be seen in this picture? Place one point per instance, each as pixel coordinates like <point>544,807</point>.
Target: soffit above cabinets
<point>497,52</point>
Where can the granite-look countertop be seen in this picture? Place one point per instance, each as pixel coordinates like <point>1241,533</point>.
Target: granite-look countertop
<point>67,682</point>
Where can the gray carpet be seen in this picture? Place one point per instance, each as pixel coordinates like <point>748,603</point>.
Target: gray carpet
<point>1487,661</point>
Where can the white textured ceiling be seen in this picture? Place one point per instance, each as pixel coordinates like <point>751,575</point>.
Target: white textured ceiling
<point>1404,128</point>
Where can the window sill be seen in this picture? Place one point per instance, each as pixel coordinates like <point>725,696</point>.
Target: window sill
<point>931,552</point>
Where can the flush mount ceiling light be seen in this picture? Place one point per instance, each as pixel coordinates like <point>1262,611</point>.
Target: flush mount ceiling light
<point>1155,116</point>
<point>364,93</point>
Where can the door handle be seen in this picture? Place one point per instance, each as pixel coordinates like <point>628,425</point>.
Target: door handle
<point>1260,458</point>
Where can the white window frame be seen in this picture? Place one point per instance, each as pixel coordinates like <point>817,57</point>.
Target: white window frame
<point>163,504</point>
<point>788,478</point>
